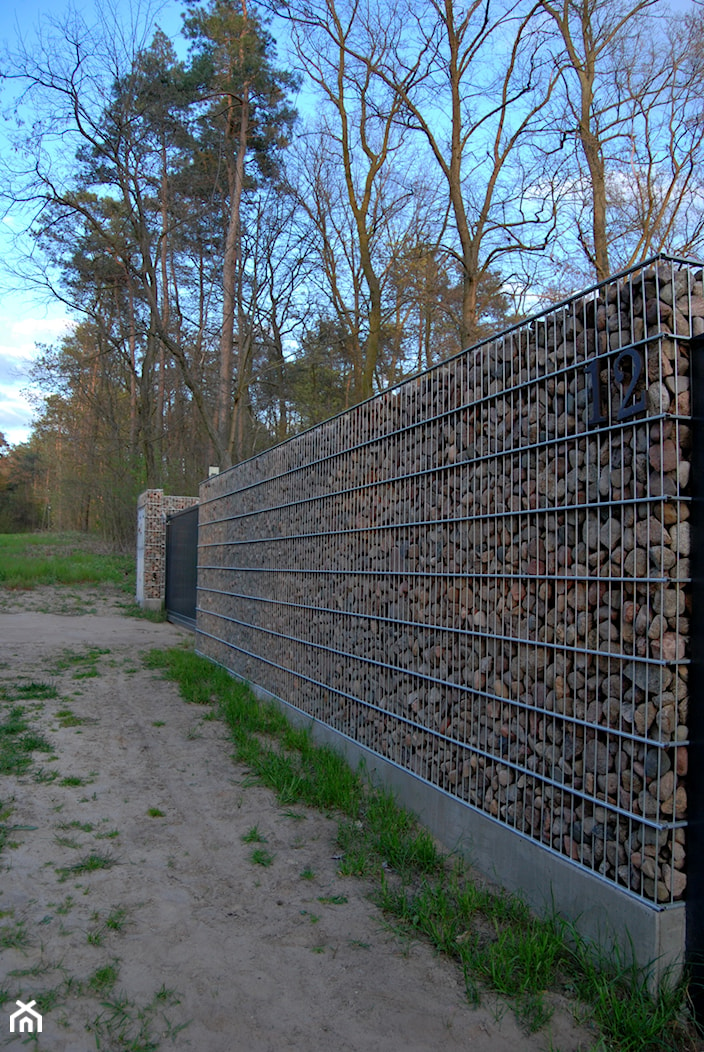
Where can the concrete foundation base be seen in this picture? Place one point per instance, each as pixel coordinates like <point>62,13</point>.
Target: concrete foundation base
<point>152,604</point>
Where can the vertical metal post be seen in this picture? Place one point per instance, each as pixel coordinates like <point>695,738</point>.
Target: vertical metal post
<point>695,775</point>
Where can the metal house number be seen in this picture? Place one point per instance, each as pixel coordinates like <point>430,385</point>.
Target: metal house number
<point>627,370</point>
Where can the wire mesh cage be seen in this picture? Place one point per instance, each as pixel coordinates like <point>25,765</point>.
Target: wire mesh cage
<point>483,575</point>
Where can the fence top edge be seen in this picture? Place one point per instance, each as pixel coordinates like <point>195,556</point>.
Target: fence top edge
<point>582,295</point>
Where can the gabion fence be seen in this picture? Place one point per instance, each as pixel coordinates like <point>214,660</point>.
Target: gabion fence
<point>483,575</point>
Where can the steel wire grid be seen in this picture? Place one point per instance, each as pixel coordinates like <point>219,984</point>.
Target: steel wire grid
<point>482,575</point>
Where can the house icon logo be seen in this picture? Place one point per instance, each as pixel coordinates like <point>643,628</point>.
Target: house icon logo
<point>25,1020</point>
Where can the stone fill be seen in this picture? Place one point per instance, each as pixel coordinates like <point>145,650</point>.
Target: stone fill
<point>483,575</point>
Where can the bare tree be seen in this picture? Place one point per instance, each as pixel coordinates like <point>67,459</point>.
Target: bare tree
<point>474,85</point>
<point>626,117</point>
<point>352,186</point>
<point>660,206</point>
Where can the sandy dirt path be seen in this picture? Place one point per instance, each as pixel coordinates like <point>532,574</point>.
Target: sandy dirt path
<point>177,939</point>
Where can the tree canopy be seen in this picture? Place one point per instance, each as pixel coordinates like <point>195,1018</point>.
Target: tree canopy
<point>289,207</point>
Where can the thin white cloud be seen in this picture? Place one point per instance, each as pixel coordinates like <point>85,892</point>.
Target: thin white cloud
<point>16,415</point>
<point>41,328</point>
<point>13,370</point>
<point>19,337</point>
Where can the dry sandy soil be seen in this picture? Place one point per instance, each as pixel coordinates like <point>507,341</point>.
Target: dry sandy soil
<point>183,941</point>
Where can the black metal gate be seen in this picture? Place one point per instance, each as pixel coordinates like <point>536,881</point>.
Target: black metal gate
<point>182,566</point>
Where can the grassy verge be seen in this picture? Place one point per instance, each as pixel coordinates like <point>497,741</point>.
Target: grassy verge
<point>28,560</point>
<point>494,938</point>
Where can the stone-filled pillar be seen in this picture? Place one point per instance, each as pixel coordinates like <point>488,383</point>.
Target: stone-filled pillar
<point>153,507</point>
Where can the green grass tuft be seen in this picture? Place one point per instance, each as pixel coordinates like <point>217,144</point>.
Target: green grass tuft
<point>261,857</point>
<point>253,836</point>
<point>67,718</point>
<point>84,662</point>
<point>199,685</point>
<point>88,864</point>
<point>103,979</point>
<point>30,690</point>
<point>13,936</point>
<point>18,741</point>
<point>116,918</point>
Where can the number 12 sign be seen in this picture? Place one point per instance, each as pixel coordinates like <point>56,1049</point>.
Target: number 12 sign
<point>627,368</point>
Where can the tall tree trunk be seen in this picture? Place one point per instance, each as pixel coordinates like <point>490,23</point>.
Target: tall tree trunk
<point>165,307</point>
<point>132,342</point>
<point>597,175</point>
<point>236,149</point>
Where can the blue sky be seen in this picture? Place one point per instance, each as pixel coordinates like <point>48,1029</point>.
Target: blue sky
<point>23,321</point>
<point>26,319</point>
